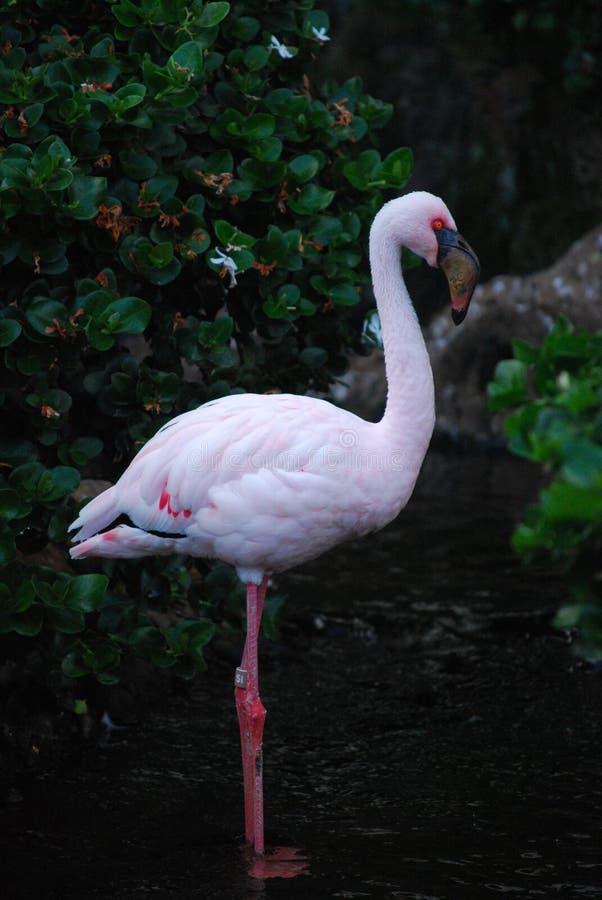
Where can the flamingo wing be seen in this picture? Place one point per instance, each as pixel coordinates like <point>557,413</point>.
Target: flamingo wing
<point>250,479</point>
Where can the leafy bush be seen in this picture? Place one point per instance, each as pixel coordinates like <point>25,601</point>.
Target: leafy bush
<point>183,216</point>
<point>557,389</point>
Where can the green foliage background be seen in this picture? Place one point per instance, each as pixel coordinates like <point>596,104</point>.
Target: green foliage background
<point>183,215</point>
<point>556,392</point>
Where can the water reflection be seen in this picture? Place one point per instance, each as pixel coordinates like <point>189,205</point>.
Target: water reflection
<point>278,862</point>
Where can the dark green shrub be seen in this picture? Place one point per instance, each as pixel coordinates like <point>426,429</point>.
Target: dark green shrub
<point>168,170</point>
<point>557,389</point>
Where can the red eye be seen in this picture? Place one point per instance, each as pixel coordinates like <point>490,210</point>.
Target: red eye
<point>437,224</point>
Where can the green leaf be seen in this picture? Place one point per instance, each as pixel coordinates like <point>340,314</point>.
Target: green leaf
<point>311,199</point>
<point>35,482</point>
<point>272,615</point>
<point>128,96</point>
<point>85,592</point>
<point>509,387</point>
<point>275,308</point>
<point>160,255</point>
<point>289,294</point>
<point>256,57</point>
<point>10,330</point>
<point>261,174</point>
<point>326,230</point>
<point>101,659</point>
<point>314,357</point>
<point>29,623</point>
<point>228,235</point>
<point>397,167</point>
<point>364,170</point>
<point>33,113</point>
<point>15,451</point>
<point>303,167</point>
<point>65,480</point>
<point>59,180</point>
<point>67,621</point>
<point>245,28</point>
<point>7,546</point>
<point>50,593</point>
<point>563,501</point>
<point>9,246</point>
<point>137,165</point>
<point>155,261</point>
<point>46,255</point>
<point>84,449</point>
<point>12,505</point>
<point>24,596</point>
<point>73,666</point>
<point>128,315</point>
<point>344,294</point>
<point>269,149</point>
<point>188,639</point>
<point>24,478</point>
<point>212,14</point>
<point>162,187</point>
<point>42,314</point>
<point>258,126</point>
<point>188,57</point>
<point>7,601</point>
<point>127,13</point>
<point>85,195</point>
<point>583,463</point>
<point>148,642</point>
<point>108,678</point>
<point>525,352</point>
<point>217,332</point>
<point>52,403</point>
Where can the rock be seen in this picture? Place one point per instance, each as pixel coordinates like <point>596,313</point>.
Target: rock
<point>464,359</point>
<point>363,388</point>
<point>89,488</point>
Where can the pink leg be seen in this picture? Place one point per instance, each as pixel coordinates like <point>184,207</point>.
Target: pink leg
<point>251,716</point>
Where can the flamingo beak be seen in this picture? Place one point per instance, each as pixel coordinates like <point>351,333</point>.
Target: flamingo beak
<point>461,267</point>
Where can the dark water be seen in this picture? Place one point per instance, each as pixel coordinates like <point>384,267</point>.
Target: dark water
<point>429,736</point>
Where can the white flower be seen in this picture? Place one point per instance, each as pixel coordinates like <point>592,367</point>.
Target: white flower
<point>227,263</point>
<point>282,51</point>
<point>563,380</point>
<point>320,33</point>
<point>224,260</point>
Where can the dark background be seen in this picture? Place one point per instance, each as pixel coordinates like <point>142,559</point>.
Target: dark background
<point>499,102</point>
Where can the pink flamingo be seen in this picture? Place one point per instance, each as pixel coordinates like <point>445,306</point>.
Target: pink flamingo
<point>265,482</point>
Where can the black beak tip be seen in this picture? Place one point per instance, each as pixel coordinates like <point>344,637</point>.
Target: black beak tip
<point>458,315</point>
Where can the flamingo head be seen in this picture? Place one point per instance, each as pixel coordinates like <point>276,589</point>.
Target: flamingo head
<point>436,238</point>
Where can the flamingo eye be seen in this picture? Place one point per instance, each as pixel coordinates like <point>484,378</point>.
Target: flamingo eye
<point>437,224</point>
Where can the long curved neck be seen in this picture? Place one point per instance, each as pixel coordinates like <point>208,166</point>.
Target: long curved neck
<point>410,408</point>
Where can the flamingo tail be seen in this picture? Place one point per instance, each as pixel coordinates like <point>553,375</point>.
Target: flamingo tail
<point>96,515</point>
<point>125,542</point>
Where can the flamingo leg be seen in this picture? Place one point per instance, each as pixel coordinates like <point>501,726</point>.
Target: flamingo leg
<point>251,716</point>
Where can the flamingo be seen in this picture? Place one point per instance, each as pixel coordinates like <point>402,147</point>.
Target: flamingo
<point>268,481</point>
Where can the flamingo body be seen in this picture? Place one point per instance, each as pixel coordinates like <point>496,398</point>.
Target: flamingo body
<point>261,481</point>
<point>266,482</point>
